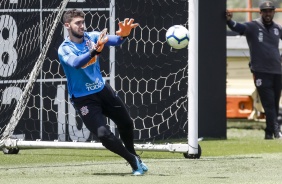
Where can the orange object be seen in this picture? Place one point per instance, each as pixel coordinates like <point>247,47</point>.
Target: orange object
<point>238,106</point>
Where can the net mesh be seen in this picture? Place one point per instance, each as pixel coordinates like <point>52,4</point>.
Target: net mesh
<point>150,76</point>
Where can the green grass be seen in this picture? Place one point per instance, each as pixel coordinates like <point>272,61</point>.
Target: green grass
<point>243,137</point>
<point>53,156</point>
<point>241,142</point>
<point>244,157</point>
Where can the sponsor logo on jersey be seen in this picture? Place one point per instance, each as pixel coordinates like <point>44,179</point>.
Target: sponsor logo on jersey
<point>94,86</point>
<point>84,110</point>
<point>260,37</point>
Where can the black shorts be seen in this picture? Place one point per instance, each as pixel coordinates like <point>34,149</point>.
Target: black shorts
<point>95,107</point>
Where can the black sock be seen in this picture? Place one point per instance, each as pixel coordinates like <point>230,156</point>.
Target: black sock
<point>115,145</point>
<point>127,137</point>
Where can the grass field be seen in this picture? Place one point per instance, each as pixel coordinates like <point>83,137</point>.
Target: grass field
<point>245,157</point>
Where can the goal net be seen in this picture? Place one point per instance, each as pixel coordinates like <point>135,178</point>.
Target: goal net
<point>150,76</point>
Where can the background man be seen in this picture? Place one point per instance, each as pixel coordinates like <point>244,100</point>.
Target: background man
<point>263,36</point>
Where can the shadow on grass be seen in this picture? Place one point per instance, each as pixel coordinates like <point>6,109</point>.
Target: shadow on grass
<point>239,124</point>
<point>245,124</point>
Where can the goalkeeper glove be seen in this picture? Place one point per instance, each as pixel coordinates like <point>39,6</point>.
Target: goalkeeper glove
<point>97,48</point>
<point>125,27</point>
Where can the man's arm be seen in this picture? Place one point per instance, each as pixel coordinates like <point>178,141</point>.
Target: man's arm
<point>233,25</point>
<point>115,40</point>
<point>79,61</point>
<point>68,57</point>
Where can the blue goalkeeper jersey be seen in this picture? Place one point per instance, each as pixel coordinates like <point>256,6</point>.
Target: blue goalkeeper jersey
<point>86,79</point>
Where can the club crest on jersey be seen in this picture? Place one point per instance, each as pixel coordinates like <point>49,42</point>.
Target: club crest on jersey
<point>276,32</point>
<point>258,82</point>
<point>84,110</point>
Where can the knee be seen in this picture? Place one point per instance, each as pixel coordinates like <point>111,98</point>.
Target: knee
<point>103,133</point>
<point>108,140</point>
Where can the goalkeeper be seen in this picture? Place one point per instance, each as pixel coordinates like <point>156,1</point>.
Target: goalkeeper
<point>92,97</point>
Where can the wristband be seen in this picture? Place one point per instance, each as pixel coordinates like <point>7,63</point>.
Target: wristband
<point>93,53</point>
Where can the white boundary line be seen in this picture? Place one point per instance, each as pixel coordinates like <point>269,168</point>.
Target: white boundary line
<point>48,10</point>
<point>38,80</point>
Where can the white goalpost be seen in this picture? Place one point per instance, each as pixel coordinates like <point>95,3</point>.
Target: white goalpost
<point>157,84</point>
<point>193,79</point>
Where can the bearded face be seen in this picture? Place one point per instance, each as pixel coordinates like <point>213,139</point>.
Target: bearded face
<point>267,15</point>
<point>77,33</point>
<point>76,27</point>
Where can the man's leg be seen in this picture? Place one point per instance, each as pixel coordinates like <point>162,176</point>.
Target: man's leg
<point>277,95</point>
<point>264,85</point>
<point>114,108</point>
<point>91,113</point>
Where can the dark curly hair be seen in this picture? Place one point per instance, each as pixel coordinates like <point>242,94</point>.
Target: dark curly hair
<point>70,14</point>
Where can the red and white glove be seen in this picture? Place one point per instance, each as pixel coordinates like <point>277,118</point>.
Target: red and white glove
<point>125,27</point>
<point>97,48</point>
<point>102,40</point>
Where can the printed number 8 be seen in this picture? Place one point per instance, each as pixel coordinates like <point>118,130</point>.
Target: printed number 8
<point>8,67</point>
